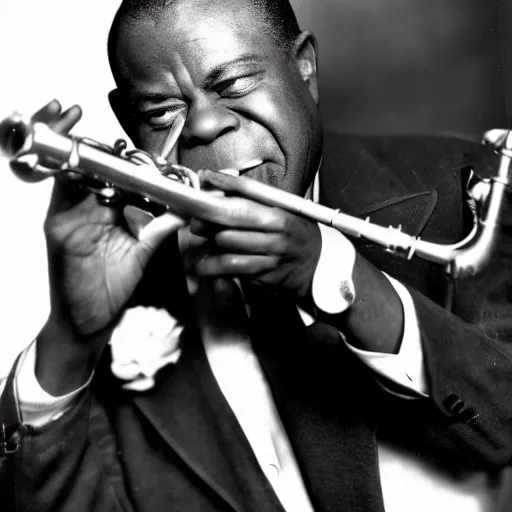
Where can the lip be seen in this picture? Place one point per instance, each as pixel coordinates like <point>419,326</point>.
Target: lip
<point>250,164</point>
<point>269,173</point>
<point>230,172</point>
<point>240,170</point>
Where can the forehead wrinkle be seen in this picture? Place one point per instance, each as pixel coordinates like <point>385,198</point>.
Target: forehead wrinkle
<point>182,74</point>
<point>206,28</point>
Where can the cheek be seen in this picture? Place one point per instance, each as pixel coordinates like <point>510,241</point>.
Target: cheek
<point>280,110</point>
<point>297,126</point>
<point>277,105</point>
<point>285,112</point>
<point>150,140</point>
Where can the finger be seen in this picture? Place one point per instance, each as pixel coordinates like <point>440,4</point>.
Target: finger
<point>203,182</point>
<point>136,219</point>
<point>218,180</point>
<point>159,229</point>
<point>192,248</point>
<point>250,242</point>
<point>204,229</point>
<point>188,241</point>
<point>67,120</point>
<point>242,213</point>
<point>149,229</point>
<point>236,265</point>
<point>47,113</point>
<point>26,168</point>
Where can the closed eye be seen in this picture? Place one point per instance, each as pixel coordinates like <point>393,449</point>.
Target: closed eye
<point>161,117</point>
<point>239,86</point>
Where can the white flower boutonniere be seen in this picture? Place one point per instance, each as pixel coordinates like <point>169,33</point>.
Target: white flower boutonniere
<point>145,340</point>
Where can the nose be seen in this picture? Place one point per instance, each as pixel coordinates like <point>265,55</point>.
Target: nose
<point>207,122</point>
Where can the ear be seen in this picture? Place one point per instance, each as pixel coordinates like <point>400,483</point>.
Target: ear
<point>122,110</point>
<point>304,51</point>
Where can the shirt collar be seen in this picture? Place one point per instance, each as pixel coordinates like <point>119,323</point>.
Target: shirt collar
<point>313,192</point>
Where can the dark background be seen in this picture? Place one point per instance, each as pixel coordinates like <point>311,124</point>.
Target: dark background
<point>429,66</point>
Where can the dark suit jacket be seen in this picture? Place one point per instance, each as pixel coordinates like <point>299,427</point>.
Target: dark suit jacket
<point>179,447</point>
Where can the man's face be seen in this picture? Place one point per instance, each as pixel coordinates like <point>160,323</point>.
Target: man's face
<point>247,102</point>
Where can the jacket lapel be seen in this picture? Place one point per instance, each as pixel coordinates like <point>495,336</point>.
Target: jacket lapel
<point>353,180</point>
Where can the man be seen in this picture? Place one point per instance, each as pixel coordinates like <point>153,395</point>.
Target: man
<point>433,381</point>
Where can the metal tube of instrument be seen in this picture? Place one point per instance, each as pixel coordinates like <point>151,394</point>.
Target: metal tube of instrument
<point>126,175</point>
<point>20,137</point>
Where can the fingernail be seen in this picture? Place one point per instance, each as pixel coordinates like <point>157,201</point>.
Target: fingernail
<point>54,104</point>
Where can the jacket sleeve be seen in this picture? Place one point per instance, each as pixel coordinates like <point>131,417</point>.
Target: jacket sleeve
<point>469,370</point>
<point>467,346</point>
<point>66,465</point>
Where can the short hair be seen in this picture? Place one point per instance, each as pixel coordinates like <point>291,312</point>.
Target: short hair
<point>277,15</point>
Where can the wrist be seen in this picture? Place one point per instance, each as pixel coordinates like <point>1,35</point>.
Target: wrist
<point>65,361</point>
<point>375,320</point>
<point>355,297</point>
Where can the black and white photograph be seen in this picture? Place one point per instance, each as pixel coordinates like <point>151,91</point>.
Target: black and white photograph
<point>256,256</point>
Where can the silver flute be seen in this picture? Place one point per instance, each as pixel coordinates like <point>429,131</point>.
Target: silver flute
<point>136,178</point>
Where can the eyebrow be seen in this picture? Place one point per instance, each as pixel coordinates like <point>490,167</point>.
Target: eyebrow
<point>210,80</point>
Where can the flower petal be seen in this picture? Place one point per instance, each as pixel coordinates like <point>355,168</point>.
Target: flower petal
<point>145,340</point>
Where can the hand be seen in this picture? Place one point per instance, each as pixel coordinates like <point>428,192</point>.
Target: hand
<point>273,246</point>
<point>267,245</point>
<point>94,263</point>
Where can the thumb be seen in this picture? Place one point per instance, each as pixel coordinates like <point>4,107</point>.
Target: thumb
<point>148,230</point>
